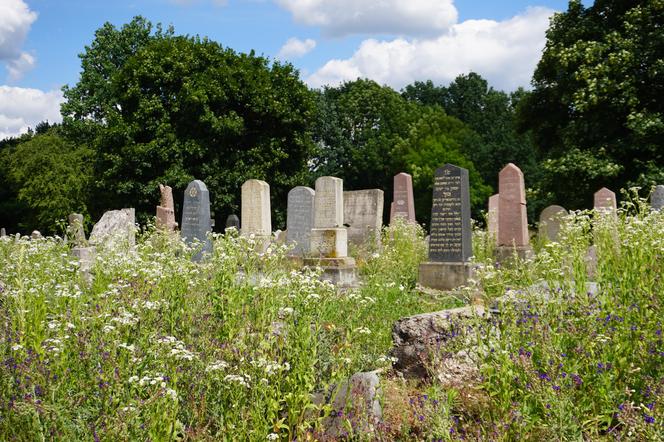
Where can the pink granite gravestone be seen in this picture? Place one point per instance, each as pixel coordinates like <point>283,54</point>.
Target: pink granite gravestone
<point>403,205</point>
<point>605,201</point>
<point>166,210</point>
<point>512,217</point>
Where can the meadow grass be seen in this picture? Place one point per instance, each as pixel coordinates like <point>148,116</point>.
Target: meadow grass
<point>234,348</point>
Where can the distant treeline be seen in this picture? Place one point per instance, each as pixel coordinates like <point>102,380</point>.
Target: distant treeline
<point>153,107</point>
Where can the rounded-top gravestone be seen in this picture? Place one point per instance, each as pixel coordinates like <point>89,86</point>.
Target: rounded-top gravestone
<point>550,221</point>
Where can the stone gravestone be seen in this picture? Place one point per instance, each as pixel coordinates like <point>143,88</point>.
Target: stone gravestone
<point>403,203</point>
<point>233,221</point>
<point>512,217</point>
<point>256,215</point>
<point>550,221</point>
<point>657,198</point>
<point>196,223</point>
<point>492,217</point>
<point>75,231</point>
<point>3,232</point>
<point>116,228</point>
<point>450,245</point>
<point>36,234</point>
<point>166,210</point>
<point>82,252</point>
<point>300,219</point>
<point>605,201</point>
<point>329,241</point>
<point>363,215</point>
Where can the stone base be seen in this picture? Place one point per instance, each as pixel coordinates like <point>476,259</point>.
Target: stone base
<point>505,254</point>
<point>339,271</point>
<point>444,275</point>
<point>329,243</point>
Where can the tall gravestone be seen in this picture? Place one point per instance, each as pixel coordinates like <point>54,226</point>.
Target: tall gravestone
<point>166,210</point>
<point>300,219</point>
<point>512,216</point>
<point>256,214</point>
<point>403,203</point>
<point>450,246</point>
<point>329,241</point>
<point>657,198</point>
<point>550,221</point>
<point>196,222</point>
<point>363,215</point>
<point>232,222</point>
<point>492,217</point>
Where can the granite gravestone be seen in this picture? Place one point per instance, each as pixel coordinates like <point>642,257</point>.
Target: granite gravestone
<point>550,221</point>
<point>232,222</point>
<point>492,217</point>
<point>256,217</point>
<point>363,215</point>
<point>403,203</point>
<point>116,228</point>
<point>450,246</point>
<point>512,217</point>
<point>657,198</point>
<point>196,225</point>
<point>300,219</point>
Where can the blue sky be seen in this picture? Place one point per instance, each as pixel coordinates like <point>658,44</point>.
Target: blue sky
<point>394,42</point>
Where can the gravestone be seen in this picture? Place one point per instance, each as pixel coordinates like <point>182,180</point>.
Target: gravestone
<point>657,198</point>
<point>75,230</point>
<point>492,217</point>
<point>256,215</point>
<point>363,215</point>
<point>403,203</point>
<point>329,240</point>
<point>450,246</point>
<point>300,219</point>
<point>196,222</point>
<point>605,201</point>
<point>233,221</point>
<point>36,234</point>
<point>115,229</point>
<point>512,217</point>
<point>166,210</point>
<point>3,232</point>
<point>550,221</point>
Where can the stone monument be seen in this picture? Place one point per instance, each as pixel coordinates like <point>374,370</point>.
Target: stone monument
<point>233,221</point>
<point>116,228</point>
<point>3,232</point>
<point>166,210</point>
<point>550,221</point>
<point>256,215</point>
<point>492,217</point>
<point>329,241</point>
<point>363,215</point>
<point>83,253</point>
<point>450,246</point>
<point>403,203</point>
<point>196,222</point>
<point>657,198</point>
<point>75,230</point>
<point>300,220</point>
<point>512,217</point>
<point>605,201</point>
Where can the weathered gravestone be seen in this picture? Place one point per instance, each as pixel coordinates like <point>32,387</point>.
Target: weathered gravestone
<point>256,215</point>
<point>115,229</point>
<point>36,234</point>
<point>550,221</point>
<point>166,210</point>
<point>605,201</point>
<point>300,219</point>
<point>450,244</point>
<point>363,215</point>
<point>75,230</point>
<point>3,232</point>
<point>232,222</point>
<point>329,241</point>
<point>196,223</point>
<point>403,203</point>
<point>512,216</point>
<point>492,217</point>
<point>81,251</point>
<point>657,198</point>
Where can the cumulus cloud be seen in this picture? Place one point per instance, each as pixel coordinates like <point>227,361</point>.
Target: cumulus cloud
<point>15,21</point>
<point>296,48</point>
<point>505,53</point>
<point>394,17</point>
<point>21,108</point>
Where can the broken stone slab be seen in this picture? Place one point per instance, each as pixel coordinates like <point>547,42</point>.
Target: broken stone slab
<point>116,228</point>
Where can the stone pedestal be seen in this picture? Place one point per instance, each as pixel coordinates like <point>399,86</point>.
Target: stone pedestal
<point>329,243</point>
<point>505,254</point>
<point>339,271</point>
<point>444,275</point>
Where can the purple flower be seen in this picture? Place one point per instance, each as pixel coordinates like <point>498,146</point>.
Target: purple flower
<point>649,419</point>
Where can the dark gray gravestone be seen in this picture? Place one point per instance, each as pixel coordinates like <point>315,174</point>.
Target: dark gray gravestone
<point>196,223</point>
<point>450,216</point>
<point>657,198</point>
<point>233,221</point>
<point>300,219</point>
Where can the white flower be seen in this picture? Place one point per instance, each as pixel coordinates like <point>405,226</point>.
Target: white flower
<point>363,331</point>
<point>218,365</point>
<point>17,347</point>
<point>133,379</point>
<point>172,393</point>
<point>272,436</point>
<point>127,347</point>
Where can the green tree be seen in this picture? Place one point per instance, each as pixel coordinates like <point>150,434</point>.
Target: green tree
<point>597,99</point>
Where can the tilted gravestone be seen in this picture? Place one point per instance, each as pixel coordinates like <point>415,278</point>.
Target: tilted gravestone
<point>450,246</point>
<point>550,221</point>
<point>657,198</point>
<point>300,219</point>
<point>233,221</point>
<point>512,216</point>
<point>403,203</point>
<point>363,215</point>
<point>196,223</point>
<point>492,217</point>
<point>116,228</point>
<point>166,210</point>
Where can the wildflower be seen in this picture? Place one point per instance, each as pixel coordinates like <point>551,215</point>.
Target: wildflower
<point>272,436</point>
<point>133,379</point>
<point>218,365</point>
<point>17,347</point>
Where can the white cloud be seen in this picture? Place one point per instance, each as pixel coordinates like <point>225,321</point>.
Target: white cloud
<point>21,108</point>
<point>15,21</point>
<point>395,17</point>
<point>295,48</point>
<point>505,53</point>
